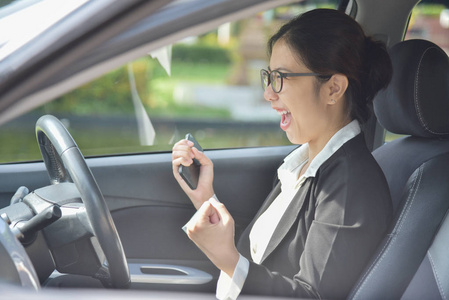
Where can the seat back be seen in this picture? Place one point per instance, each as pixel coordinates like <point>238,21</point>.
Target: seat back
<point>416,103</point>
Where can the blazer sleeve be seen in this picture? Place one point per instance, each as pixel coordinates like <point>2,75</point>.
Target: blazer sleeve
<point>351,213</point>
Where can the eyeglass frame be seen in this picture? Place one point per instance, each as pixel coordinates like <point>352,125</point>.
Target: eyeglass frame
<point>284,75</point>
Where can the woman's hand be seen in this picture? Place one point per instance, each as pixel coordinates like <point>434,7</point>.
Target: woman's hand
<point>212,230</point>
<point>183,153</point>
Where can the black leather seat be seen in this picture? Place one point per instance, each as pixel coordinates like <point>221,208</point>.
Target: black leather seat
<point>412,262</point>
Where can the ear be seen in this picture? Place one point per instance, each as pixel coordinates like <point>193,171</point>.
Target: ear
<point>337,86</point>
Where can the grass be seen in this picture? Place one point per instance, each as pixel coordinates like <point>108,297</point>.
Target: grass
<point>160,93</point>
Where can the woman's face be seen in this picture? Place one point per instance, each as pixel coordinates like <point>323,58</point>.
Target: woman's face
<point>302,106</point>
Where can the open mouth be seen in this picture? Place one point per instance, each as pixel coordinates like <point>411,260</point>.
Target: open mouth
<point>286,118</point>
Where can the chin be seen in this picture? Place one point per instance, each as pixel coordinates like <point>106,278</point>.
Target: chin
<point>292,139</point>
<point>295,139</point>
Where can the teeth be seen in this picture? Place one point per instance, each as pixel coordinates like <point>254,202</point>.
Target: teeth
<point>284,112</point>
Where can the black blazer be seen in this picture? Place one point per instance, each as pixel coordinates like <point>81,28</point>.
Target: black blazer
<point>328,232</point>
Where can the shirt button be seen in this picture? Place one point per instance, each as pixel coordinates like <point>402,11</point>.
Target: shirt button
<point>254,249</point>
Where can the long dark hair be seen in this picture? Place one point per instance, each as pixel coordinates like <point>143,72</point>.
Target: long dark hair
<point>328,42</point>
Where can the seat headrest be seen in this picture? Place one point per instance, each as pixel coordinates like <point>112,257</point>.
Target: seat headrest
<point>416,102</point>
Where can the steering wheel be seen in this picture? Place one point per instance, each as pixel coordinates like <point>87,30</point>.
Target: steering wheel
<point>65,163</point>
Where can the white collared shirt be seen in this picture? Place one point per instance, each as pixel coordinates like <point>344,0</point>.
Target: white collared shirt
<point>263,229</point>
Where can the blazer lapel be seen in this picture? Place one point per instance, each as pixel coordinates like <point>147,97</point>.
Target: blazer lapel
<point>287,220</point>
<point>274,193</point>
<point>243,244</point>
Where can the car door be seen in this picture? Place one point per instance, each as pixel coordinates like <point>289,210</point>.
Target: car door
<point>149,208</point>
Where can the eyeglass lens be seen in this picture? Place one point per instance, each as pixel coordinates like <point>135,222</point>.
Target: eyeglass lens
<point>273,78</point>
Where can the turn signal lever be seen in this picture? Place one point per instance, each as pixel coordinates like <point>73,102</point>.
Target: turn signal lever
<point>26,231</point>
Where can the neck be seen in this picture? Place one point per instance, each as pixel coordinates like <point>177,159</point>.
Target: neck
<point>316,145</point>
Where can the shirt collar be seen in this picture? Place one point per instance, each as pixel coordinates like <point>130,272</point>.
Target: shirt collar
<point>288,172</point>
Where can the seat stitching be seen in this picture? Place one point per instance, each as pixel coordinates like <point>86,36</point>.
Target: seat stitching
<point>440,287</point>
<point>414,188</point>
<point>401,219</point>
<point>416,102</point>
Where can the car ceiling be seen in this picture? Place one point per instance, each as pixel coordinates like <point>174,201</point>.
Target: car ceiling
<point>105,34</point>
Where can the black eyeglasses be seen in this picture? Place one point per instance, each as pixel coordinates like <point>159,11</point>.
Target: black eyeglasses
<point>275,78</point>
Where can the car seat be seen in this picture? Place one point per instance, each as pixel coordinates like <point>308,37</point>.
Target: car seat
<point>412,262</point>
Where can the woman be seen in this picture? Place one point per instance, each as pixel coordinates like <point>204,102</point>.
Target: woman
<point>319,226</point>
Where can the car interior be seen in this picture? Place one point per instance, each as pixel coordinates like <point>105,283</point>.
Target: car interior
<point>85,223</point>
<point>412,253</point>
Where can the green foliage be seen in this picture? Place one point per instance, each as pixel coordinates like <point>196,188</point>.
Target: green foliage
<point>200,53</point>
<point>111,94</point>
<point>431,10</point>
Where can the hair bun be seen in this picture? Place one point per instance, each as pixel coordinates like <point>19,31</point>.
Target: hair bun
<point>378,68</point>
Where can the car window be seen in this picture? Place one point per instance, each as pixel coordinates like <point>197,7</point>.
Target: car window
<point>207,85</point>
<point>430,22</point>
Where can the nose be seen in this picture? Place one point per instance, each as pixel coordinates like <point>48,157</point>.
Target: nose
<point>269,94</point>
